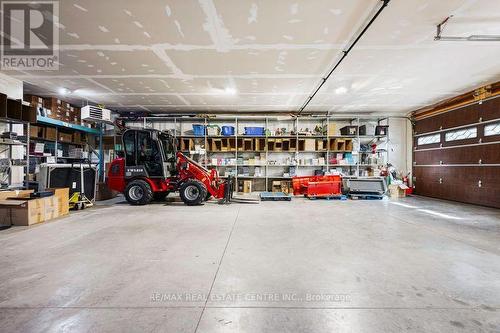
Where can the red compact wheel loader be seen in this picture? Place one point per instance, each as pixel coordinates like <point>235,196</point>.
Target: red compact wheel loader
<point>150,168</point>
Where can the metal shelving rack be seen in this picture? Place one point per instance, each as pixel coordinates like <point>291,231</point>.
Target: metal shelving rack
<point>354,168</point>
<point>11,144</point>
<point>58,124</point>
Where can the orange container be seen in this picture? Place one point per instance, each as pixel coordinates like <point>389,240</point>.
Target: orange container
<point>300,184</point>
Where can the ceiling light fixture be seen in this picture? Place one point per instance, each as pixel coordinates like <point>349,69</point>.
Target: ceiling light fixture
<point>230,91</point>
<point>63,91</point>
<point>341,90</point>
<point>84,92</point>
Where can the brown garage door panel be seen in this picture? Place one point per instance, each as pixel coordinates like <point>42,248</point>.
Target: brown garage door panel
<point>469,171</point>
<point>463,116</point>
<point>427,181</point>
<point>459,117</point>
<point>488,154</point>
<point>427,125</point>
<point>490,109</point>
<point>460,184</point>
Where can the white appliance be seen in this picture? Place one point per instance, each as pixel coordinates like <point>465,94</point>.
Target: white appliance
<point>94,113</point>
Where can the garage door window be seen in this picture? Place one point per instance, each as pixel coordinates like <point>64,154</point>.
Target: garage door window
<point>492,129</point>
<point>429,139</point>
<point>462,134</point>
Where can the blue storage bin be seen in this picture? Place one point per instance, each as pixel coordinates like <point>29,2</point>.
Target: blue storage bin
<point>199,130</point>
<point>254,131</point>
<point>227,130</point>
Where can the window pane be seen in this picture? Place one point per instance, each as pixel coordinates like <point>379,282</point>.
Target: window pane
<point>462,134</point>
<point>492,129</point>
<point>148,154</point>
<point>129,146</point>
<point>428,139</point>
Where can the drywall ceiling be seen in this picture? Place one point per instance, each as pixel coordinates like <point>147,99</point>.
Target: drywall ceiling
<point>222,55</point>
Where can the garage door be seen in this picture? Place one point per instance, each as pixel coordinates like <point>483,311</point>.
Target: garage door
<point>457,154</point>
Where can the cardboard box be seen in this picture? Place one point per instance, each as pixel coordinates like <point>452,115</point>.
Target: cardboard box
<point>332,129</point>
<point>37,131</point>
<point>65,137</point>
<point>35,101</point>
<point>320,145</point>
<point>25,211</point>
<point>51,133</point>
<point>247,186</point>
<point>276,186</point>
<point>51,104</point>
<point>62,196</point>
<point>4,195</point>
<point>286,187</point>
<point>398,190</point>
<point>309,145</point>
<point>77,137</point>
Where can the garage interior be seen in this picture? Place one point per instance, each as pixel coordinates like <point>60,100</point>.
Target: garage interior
<point>250,166</point>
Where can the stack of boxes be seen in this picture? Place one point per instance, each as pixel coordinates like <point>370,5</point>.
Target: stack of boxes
<point>76,152</point>
<point>55,108</point>
<point>20,208</point>
<point>35,101</point>
<point>63,111</point>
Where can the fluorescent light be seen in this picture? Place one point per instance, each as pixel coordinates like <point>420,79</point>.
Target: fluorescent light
<point>230,91</point>
<point>84,92</point>
<point>63,91</point>
<point>341,90</point>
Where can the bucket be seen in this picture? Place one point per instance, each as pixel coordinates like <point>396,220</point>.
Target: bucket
<point>227,130</point>
<point>199,130</point>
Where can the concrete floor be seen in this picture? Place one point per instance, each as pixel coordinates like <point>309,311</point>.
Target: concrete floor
<point>415,264</point>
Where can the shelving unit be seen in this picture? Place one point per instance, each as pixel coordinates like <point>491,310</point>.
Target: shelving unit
<point>10,144</point>
<point>279,165</point>
<point>74,137</point>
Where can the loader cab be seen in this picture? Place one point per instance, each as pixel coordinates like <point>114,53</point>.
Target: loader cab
<point>148,153</point>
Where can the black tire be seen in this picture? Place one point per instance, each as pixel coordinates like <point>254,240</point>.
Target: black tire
<point>193,192</point>
<point>208,197</point>
<point>138,192</point>
<point>160,196</point>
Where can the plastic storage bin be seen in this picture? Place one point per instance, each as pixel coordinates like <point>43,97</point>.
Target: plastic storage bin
<point>213,130</point>
<point>349,130</point>
<point>227,130</point>
<point>254,131</point>
<point>199,130</point>
<point>300,184</point>
<point>362,130</point>
<point>382,130</point>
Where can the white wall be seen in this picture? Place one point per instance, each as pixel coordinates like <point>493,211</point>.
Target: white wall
<point>11,87</point>
<point>400,144</point>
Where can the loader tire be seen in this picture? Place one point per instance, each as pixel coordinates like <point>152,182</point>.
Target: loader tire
<point>138,192</point>
<point>193,192</point>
